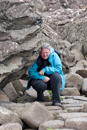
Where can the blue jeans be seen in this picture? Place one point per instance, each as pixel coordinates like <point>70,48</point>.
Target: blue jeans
<point>53,84</point>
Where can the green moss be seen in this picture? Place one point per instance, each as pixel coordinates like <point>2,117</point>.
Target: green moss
<point>50,92</point>
<point>49,129</point>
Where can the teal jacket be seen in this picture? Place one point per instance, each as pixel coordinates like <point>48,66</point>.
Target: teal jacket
<point>56,67</point>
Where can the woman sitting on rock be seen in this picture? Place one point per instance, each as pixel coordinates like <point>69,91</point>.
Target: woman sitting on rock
<point>46,74</point>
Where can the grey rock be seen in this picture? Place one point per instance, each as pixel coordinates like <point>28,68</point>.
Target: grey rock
<point>20,85</point>
<point>3,96</point>
<point>74,80</point>
<point>84,107</point>
<point>10,92</point>
<point>51,124</point>
<point>78,55</point>
<point>32,92</point>
<point>8,116</point>
<point>84,87</point>
<point>70,92</point>
<point>32,116</point>
<point>82,72</point>
<point>65,116</point>
<point>79,123</point>
<point>9,126</point>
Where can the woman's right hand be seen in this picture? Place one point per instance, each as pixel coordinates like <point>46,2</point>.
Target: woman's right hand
<point>46,79</point>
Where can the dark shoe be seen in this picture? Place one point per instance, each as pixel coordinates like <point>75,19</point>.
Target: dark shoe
<point>56,104</point>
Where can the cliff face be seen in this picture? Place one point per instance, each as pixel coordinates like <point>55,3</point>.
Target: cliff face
<point>52,5</point>
<point>26,24</point>
<point>19,29</point>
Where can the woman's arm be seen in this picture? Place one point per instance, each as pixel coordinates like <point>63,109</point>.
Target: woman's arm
<point>33,72</point>
<point>56,67</point>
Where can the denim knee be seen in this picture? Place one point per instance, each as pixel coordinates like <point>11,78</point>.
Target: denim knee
<point>56,77</point>
<point>39,85</point>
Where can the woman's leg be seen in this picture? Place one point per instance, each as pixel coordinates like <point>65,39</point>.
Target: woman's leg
<point>40,86</point>
<point>54,84</point>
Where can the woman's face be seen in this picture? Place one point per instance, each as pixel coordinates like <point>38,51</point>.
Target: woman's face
<point>45,53</point>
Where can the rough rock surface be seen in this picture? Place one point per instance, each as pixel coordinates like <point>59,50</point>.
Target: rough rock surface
<point>24,26</point>
<point>8,116</point>
<point>35,115</point>
<point>19,28</point>
<point>52,5</point>
<point>72,113</point>
<point>9,126</point>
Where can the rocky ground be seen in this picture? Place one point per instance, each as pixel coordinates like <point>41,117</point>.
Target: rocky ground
<point>24,26</point>
<point>19,109</point>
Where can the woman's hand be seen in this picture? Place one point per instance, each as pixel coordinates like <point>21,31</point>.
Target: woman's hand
<point>41,72</point>
<point>46,79</point>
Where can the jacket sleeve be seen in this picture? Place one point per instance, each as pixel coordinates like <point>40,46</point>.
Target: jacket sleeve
<point>33,72</point>
<point>55,67</point>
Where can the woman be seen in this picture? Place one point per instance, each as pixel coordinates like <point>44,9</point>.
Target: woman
<point>46,74</point>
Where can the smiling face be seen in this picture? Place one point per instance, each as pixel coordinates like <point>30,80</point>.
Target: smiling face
<point>45,53</point>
